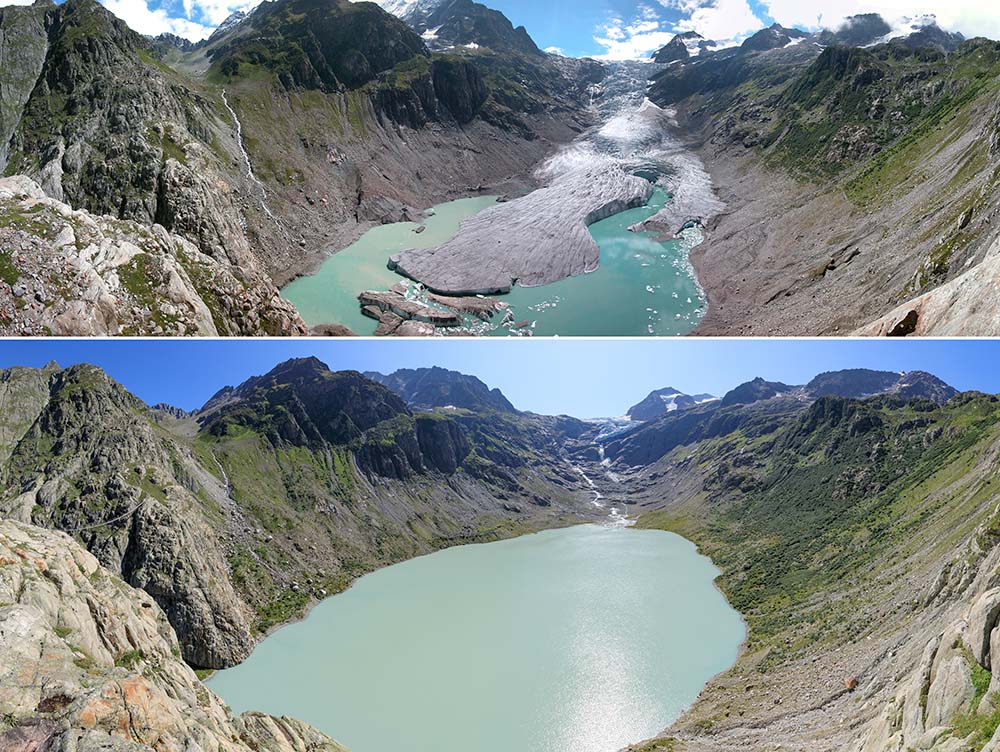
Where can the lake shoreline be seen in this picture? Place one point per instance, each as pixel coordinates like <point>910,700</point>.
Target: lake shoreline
<point>242,688</point>
<point>313,602</point>
<point>645,278</point>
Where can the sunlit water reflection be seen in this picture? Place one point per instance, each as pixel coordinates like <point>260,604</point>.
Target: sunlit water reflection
<point>577,640</point>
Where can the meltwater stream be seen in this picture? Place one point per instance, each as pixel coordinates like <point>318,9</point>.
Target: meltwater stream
<point>583,639</point>
<point>644,284</point>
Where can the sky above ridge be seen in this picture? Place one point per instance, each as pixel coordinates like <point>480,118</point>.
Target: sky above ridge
<point>613,29</point>
<point>583,378</point>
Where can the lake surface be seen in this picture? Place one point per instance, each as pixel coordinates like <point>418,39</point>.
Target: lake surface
<point>577,640</point>
<point>330,296</point>
<point>641,286</point>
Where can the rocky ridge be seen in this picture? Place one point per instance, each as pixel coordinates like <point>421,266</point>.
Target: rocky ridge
<point>67,272</point>
<point>91,663</point>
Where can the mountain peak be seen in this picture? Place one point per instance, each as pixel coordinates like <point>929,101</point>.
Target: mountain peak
<point>753,391</point>
<point>662,401</point>
<point>439,387</point>
<point>297,368</point>
<point>865,382</point>
<point>772,37</point>
<point>685,45</point>
<point>444,23</point>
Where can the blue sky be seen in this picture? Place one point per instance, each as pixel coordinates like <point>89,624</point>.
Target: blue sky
<point>614,29</point>
<point>585,378</point>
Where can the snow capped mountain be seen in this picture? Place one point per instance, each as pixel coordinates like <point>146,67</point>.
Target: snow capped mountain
<point>663,401</point>
<point>407,9</point>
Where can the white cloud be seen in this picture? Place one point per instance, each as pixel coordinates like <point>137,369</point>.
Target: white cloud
<point>637,39</point>
<point>971,17</point>
<point>199,20</point>
<point>555,51</point>
<point>723,21</point>
<point>138,15</point>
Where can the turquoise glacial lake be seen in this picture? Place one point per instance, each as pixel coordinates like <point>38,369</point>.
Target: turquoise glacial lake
<point>641,286</point>
<point>584,639</point>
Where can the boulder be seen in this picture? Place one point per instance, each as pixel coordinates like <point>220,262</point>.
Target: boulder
<point>982,618</point>
<point>951,690</point>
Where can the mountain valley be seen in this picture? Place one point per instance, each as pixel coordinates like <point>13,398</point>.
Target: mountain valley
<point>848,172</point>
<point>852,519</point>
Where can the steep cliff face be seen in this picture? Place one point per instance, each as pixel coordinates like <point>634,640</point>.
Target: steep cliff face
<point>108,129</point>
<point>91,464</point>
<point>91,663</point>
<point>23,46</point>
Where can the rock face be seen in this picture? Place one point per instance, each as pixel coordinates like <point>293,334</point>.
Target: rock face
<point>69,272</point>
<point>754,391</point>
<point>424,388</point>
<point>91,663</point>
<point>663,401</point>
<point>23,43</point>
<point>463,22</point>
<point>533,240</point>
<point>78,134</point>
<point>109,480</point>
<point>773,37</point>
<point>317,45</point>
<point>857,31</point>
<point>460,87</point>
<point>678,48</point>
<point>966,305</point>
<point>863,382</point>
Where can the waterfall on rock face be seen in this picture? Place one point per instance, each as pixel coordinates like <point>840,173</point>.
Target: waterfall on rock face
<point>246,158</point>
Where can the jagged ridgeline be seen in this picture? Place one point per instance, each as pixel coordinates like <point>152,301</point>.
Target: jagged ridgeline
<point>282,137</point>
<point>278,491</point>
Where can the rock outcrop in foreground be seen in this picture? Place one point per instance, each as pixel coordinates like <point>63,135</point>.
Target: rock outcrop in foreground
<point>92,664</point>
<point>534,240</point>
<point>70,273</point>
<point>965,306</point>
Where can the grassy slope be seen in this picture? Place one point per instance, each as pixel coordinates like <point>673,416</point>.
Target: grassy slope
<point>310,517</point>
<point>823,537</point>
<point>897,133</point>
